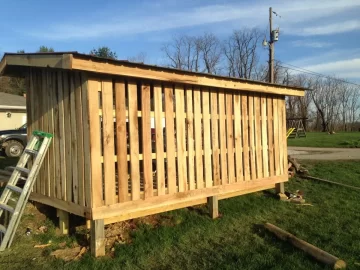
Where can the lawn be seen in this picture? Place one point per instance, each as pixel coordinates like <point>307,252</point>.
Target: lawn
<point>323,139</point>
<point>189,239</point>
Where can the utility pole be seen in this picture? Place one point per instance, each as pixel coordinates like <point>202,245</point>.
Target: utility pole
<point>271,50</point>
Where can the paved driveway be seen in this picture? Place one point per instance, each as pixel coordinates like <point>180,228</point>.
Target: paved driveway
<point>324,153</point>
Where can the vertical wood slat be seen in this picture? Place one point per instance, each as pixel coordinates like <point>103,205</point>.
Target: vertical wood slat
<point>276,137</point>
<point>39,90</point>
<point>198,140</point>
<point>215,138</point>
<point>74,141</point>
<point>238,140</point>
<point>61,137</point>
<point>281,104</point>
<point>180,138</point>
<point>159,142</point>
<point>67,136</point>
<point>190,137</point>
<point>258,140</point>
<point>264,128</point>
<point>108,141</point>
<point>95,146</point>
<point>79,103</point>
<point>284,146</point>
<point>146,140</point>
<point>252,137</point>
<point>222,126</point>
<point>245,135</point>
<point>230,137</point>
<point>57,136</point>
<point>170,139</point>
<point>51,105</point>
<point>207,138</point>
<point>86,139</point>
<point>270,126</point>
<point>121,141</point>
<point>46,113</point>
<point>134,141</point>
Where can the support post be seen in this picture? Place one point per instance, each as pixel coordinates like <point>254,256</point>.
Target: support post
<point>88,224</point>
<point>213,205</point>
<point>97,238</point>
<point>63,221</point>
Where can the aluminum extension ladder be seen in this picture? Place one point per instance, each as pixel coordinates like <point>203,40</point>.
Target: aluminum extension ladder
<point>37,147</point>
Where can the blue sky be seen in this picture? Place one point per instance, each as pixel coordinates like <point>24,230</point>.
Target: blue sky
<point>319,35</point>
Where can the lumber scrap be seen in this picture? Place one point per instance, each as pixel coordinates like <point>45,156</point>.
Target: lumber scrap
<point>315,252</point>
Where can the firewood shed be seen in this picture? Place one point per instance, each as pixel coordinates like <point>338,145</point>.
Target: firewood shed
<point>132,140</point>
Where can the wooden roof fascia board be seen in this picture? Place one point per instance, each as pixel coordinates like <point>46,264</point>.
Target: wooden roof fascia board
<point>177,77</point>
<point>63,61</point>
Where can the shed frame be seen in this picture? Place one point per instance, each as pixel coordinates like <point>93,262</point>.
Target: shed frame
<point>222,137</point>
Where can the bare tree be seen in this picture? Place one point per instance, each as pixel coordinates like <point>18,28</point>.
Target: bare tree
<point>139,58</point>
<point>240,50</point>
<point>210,49</point>
<point>354,106</point>
<point>344,98</point>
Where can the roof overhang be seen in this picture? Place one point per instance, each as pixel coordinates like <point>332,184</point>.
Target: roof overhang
<point>83,62</point>
<point>7,107</point>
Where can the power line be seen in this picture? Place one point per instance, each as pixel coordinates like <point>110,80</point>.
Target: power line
<point>296,68</point>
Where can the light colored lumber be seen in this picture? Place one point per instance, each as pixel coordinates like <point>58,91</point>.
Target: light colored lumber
<point>230,137</point>
<point>74,139</point>
<point>252,137</point>
<point>190,137</point>
<point>213,205</point>
<point>270,129</point>
<point>207,138</point>
<point>171,75</point>
<point>180,139</point>
<point>86,140</point>
<point>276,136</point>
<point>215,137</point>
<point>190,195</point>
<point>222,137</point>
<point>264,137</point>
<point>67,136</point>
<point>121,141</point>
<point>170,139</point>
<point>97,238</point>
<point>95,146</point>
<point>80,138</point>
<point>134,141</point>
<point>312,250</point>
<point>258,141</point>
<point>245,133</point>
<point>146,142</point>
<point>238,139</point>
<point>159,141</point>
<point>108,141</point>
<point>63,221</point>
<point>281,135</point>
<point>199,169</point>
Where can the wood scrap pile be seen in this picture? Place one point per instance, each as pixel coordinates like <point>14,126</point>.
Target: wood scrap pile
<point>294,167</point>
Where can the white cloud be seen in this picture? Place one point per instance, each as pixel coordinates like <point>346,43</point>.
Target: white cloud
<point>311,44</point>
<point>293,13</point>
<point>343,69</point>
<point>334,28</point>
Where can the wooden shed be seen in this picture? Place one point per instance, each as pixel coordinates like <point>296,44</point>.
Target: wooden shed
<point>132,140</point>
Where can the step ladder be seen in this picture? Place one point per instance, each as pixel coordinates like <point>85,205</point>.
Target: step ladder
<point>37,148</point>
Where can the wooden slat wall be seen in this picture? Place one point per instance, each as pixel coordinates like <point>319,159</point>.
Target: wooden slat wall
<point>57,103</point>
<point>105,151</point>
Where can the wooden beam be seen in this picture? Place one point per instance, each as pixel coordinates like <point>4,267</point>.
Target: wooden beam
<point>213,205</point>
<point>173,75</point>
<point>97,238</point>
<point>63,221</point>
<point>191,195</point>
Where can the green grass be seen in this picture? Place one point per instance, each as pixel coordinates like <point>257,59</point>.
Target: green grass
<point>323,139</point>
<point>234,241</point>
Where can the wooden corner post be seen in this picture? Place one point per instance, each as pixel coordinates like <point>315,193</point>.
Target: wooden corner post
<point>97,238</point>
<point>213,205</point>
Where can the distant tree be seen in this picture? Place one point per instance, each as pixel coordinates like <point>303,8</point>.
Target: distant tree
<point>20,51</point>
<point>104,52</point>
<point>139,58</point>
<point>45,49</point>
